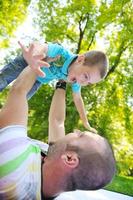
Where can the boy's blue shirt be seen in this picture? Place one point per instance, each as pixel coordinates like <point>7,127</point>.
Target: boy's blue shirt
<point>59,69</point>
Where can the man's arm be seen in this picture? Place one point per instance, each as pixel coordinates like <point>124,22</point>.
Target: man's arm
<point>81,110</point>
<point>15,110</point>
<point>57,116</point>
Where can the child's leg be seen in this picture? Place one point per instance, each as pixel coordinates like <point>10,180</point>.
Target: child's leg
<point>11,71</point>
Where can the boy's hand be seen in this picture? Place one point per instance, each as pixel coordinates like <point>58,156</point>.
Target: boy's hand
<point>34,61</point>
<point>87,126</point>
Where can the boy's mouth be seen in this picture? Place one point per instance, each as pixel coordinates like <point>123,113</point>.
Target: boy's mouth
<point>73,80</point>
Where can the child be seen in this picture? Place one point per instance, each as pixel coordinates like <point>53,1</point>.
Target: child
<point>79,70</point>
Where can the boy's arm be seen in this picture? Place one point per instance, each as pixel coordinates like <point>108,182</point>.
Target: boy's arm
<point>81,110</point>
<point>57,116</point>
<point>15,110</point>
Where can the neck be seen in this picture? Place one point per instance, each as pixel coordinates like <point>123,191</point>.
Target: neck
<point>72,67</point>
<point>53,179</point>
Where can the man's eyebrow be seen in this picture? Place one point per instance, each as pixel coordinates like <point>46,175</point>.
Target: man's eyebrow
<point>80,134</point>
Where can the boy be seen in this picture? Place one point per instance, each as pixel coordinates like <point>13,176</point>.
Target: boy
<point>79,70</point>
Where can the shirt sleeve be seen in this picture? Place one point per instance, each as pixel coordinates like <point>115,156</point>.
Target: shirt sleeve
<point>76,88</point>
<point>20,164</point>
<point>43,146</point>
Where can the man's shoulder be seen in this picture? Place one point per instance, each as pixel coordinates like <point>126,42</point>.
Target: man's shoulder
<point>43,146</point>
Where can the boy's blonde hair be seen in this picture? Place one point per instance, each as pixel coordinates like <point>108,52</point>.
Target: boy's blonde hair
<point>97,58</point>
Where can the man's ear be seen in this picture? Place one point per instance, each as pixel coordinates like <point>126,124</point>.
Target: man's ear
<point>70,159</point>
<point>81,59</point>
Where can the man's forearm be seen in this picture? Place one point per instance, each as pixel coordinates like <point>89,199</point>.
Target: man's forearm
<point>15,110</point>
<point>25,80</point>
<point>57,116</point>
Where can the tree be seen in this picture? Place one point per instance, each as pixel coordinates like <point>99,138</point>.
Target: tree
<point>12,13</point>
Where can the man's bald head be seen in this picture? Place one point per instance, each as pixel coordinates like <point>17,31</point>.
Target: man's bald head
<point>96,163</point>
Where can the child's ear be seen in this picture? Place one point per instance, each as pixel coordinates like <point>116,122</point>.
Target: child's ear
<point>81,58</point>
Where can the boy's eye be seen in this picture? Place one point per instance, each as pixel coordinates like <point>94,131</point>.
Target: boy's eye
<point>86,76</point>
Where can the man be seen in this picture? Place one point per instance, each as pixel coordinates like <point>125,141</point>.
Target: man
<point>76,161</point>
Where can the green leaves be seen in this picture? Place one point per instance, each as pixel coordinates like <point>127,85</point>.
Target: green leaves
<point>12,13</point>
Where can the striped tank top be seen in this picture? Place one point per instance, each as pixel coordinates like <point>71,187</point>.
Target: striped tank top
<point>20,164</point>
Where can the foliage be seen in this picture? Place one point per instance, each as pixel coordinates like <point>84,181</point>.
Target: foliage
<point>12,13</point>
<point>3,96</point>
<point>121,184</point>
<point>41,101</point>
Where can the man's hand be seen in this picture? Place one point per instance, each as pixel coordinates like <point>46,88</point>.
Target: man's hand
<point>87,126</point>
<point>35,61</point>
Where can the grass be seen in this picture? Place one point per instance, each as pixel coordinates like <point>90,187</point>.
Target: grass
<point>122,185</point>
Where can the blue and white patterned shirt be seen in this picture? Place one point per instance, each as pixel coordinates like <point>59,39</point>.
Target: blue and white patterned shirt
<point>59,68</point>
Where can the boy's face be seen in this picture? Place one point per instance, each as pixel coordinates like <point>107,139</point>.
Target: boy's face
<point>82,74</point>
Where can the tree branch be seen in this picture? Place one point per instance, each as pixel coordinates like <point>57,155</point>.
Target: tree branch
<point>71,38</point>
<point>92,39</point>
<point>117,60</point>
<point>82,31</point>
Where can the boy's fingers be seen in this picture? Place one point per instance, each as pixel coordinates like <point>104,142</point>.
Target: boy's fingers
<point>40,72</point>
<point>93,130</point>
<point>31,48</point>
<point>39,57</point>
<point>43,64</point>
<point>24,49</point>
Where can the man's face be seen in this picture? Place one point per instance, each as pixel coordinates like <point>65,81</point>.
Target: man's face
<point>80,139</point>
<point>56,165</point>
<point>84,75</point>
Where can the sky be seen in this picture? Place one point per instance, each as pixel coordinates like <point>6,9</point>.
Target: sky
<point>24,33</point>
